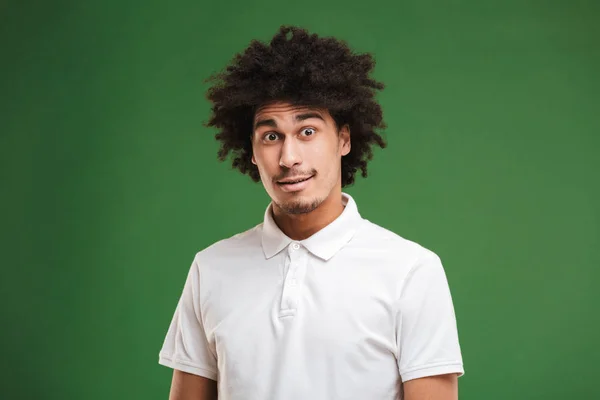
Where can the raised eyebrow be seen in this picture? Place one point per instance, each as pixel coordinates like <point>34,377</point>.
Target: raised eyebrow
<point>265,122</point>
<point>308,115</point>
<point>300,117</point>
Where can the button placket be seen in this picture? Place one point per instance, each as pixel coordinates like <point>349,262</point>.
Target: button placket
<point>292,281</point>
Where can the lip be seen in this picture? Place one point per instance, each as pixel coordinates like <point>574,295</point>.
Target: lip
<point>294,187</point>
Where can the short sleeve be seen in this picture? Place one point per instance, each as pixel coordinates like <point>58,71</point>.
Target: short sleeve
<point>426,329</point>
<point>186,347</point>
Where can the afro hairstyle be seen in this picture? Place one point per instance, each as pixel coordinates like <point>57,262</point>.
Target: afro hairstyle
<point>304,70</point>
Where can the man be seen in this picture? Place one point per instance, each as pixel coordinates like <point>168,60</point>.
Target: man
<point>315,303</point>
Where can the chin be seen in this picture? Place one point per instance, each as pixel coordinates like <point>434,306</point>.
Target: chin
<point>299,207</point>
<point>298,203</point>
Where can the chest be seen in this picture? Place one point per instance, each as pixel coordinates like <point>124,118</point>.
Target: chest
<point>332,305</point>
<point>285,324</point>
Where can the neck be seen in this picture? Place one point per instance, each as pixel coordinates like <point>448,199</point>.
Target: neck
<point>302,226</point>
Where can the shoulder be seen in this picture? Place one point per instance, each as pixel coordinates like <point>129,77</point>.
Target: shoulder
<point>416,268</point>
<point>379,237</point>
<point>375,238</point>
<point>239,244</point>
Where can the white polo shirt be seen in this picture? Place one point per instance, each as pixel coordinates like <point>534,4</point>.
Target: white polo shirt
<point>349,313</point>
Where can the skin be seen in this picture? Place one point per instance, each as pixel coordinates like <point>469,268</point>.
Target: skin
<point>438,387</point>
<point>289,142</point>
<point>185,386</point>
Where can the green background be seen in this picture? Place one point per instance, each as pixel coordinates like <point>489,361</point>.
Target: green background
<point>111,184</point>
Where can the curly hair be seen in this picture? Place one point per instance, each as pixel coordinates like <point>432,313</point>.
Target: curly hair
<point>301,69</point>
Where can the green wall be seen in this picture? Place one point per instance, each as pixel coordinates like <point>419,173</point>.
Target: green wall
<point>111,184</point>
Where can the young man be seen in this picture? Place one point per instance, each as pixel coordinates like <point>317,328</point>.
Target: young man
<point>315,302</point>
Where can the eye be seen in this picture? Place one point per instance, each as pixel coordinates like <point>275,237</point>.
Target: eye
<point>271,137</point>
<point>307,132</point>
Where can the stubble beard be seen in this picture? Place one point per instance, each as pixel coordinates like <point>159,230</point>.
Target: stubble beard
<point>299,207</point>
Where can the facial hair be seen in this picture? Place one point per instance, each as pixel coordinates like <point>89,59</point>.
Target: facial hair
<point>299,207</point>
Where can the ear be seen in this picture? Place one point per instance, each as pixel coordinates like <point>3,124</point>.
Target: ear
<point>344,140</point>
<point>252,148</point>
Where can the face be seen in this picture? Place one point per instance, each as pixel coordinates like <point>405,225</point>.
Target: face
<point>298,153</point>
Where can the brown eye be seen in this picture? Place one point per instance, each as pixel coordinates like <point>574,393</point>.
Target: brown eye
<point>270,137</point>
<point>308,131</point>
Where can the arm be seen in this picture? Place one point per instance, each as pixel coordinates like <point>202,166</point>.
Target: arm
<point>429,356</point>
<point>185,386</point>
<point>438,387</point>
<point>186,348</point>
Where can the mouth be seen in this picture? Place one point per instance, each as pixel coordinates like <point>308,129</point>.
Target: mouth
<point>294,180</point>
<point>294,184</point>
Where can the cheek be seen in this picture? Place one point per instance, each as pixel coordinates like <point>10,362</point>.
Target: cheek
<point>264,162</point>
<point>258,157</point>
<point>325,158</point>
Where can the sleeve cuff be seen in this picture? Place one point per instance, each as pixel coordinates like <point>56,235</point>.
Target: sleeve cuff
<point>431,370</point>
<point>187,367</point>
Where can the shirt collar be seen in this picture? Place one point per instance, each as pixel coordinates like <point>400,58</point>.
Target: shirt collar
<point>324,243</point>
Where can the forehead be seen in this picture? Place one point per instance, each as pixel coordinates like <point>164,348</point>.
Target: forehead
<point>282,110</point>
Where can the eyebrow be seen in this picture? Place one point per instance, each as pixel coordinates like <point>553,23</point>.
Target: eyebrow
<point>299,118</point>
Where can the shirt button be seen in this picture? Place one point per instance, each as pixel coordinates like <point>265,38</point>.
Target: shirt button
<point>295,246</point>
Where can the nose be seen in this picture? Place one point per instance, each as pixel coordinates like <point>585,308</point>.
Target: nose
<point>290,153</point>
